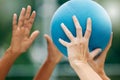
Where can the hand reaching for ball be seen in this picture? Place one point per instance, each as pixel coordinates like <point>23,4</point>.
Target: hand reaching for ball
<point>78,51</point>
<point>78,47</point>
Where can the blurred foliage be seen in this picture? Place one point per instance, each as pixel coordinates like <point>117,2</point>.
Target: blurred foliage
<point>7,9</point>
<point>60,2</point>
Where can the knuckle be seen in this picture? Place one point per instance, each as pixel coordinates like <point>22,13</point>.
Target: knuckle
<point>75,43</point>
<point>31,22</point>
<point>68,33</point>
<point>89,30</point>
<point>21,20</point>
<point>79,28</point>
<point>26,18</point>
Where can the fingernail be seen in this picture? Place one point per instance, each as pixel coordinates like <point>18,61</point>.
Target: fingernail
<point>34,11</point>
<point>59,39</point>
<point>74,16</point>
<point>62,24</point>
<point>37,31</point>
<point>29,6</point>
<point>45,34</point>
<point>23,8</point>
<point>15,14</point>
<point>89,18</point>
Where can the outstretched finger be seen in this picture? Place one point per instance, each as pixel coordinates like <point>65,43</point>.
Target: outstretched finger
<point>67,32</point>
<point>31,20</point>
<point>27,16</point>
<point>28,12</point>
<point>30,23</point>
<point>88,30</point>
<point>34,35</point>
<point>64,43</point>
<point>78,27</point>
<point>14,21</point>
<point>21,18</point>
<point>48,39</point>
<point>94,53</point>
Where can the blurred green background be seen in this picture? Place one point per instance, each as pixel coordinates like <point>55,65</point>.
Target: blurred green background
<point>28,64</point>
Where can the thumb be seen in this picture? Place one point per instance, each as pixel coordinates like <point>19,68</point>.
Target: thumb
<point>109,44</point>
<point>48,39</point>
<point>34,35</point>
<point>95,52</point>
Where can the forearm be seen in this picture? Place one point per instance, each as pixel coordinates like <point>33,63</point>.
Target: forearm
<point>6,62</point>
<point>85,72</point>
<point>45,71</point>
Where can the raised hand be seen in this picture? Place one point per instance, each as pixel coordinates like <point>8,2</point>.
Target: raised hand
<point>54,55</point>
<point>78,51</point>
<point>78,47</point>
<point>21,38</point>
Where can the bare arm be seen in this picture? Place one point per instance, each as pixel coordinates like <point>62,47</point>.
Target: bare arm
<point>78,51</point>
<point>6,63</point>
<point>45,71</point>
<point>54,56</point>
<point>21,40</point>
<point>85,72</point>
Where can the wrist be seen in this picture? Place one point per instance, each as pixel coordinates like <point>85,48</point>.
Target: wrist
<point>104,76</point>
<point>76,60</point>
<point>9,51</point>
<point>52,62</point>
<point>85,72</point>
<point>54,59</point>
<point>77,63</point>
<point>12,51</point>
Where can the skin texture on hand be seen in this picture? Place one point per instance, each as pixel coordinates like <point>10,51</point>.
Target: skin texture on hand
<point>78,50</point>
<point>54,57</point>
<point>21,40</point>
<point>78,47</point>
